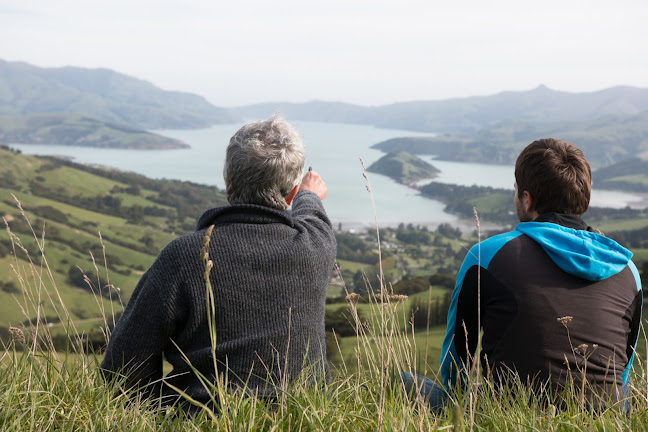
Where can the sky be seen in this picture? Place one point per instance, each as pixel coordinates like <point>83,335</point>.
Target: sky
<point>366,52</point>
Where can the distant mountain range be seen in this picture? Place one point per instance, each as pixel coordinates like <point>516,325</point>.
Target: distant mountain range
<point>487,128</point>
<point>466,115</point>
<point>115,97</point>
<point>604,140</point>
<point>104,94</point>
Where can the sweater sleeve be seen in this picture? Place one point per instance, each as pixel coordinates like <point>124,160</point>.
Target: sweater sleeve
<point>307,208</point>
<point>137,343</point>
<point>308,205</point>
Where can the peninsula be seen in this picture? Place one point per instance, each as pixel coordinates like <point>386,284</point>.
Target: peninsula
<point>79,130</point>
<point>404,167</point>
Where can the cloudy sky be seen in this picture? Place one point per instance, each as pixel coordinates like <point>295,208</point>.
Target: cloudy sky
<point>369,52</point>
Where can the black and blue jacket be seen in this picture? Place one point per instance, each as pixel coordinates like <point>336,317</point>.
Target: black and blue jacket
<point>531,281</point>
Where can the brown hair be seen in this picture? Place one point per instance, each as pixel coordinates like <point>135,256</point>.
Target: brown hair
<point>556,175</point>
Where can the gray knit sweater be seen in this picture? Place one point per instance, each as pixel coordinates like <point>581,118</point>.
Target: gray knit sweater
<point>270,273</point>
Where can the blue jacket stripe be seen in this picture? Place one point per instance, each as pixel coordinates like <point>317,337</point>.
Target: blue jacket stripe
<point>480,254</point>
<point>626,371</point>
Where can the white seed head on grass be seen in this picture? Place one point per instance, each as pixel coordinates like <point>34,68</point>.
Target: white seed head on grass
<point>353,298</point>
<point>391,298</point>
<point>581,349</point>
<point>397,298</point>
<point>17,335</point>
<point>476,218</point>
<point>565,320</point>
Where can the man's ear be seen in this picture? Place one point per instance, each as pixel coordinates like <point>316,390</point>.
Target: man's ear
<point>529,206</point>
<point>527,200</point>
<point>292,194</point>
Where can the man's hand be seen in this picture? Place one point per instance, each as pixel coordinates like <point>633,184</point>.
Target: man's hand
<point>314,183</point>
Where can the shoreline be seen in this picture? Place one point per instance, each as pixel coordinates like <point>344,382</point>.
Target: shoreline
<point>464,224</point>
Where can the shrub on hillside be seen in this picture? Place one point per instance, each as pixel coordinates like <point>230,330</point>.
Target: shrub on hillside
<point>332,350</point>
<point>364,284</point>
<point>414,237</point>
<point>50,213</point>
<point>353,248</point>
<point>434,313</point>
<point>85,281</point>
<point>9,287</point>
<point>77,278</point>
<point>92,342</point>
<point>341,321</point>
<point>447,230</point>
<point>410,286</point>
<point>446,280</point>
<point>5,248</point>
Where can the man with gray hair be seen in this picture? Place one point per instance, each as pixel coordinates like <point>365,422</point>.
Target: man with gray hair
<point>270,268</point>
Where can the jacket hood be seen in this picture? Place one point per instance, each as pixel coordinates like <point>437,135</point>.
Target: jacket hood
<point>582,253</point>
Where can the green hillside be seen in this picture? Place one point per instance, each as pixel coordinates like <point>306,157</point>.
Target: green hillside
<point>629,175</point>
<point>104,94</point>
<point>91,233</point>
<point>469,114</point>
<point>118,98</point>
<point>109,225</point>
<point>403,167</point>
<point>605,140</point>
<point>79,130</point>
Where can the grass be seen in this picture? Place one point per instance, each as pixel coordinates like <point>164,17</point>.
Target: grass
<point>47,389</point>
<point>354,266</point>
<point>492,201</point>
<point>81,230</point>
<point>84,184</point>
<point>31,201</point>
<point>425,347</point>
<point>42,389</point>
<point>640,255</point>
<point>401,309</point>
<point>639,179</point>
<point>621,225</point>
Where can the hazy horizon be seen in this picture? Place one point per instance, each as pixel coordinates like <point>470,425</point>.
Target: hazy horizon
<point>338,101</point>
<point>362,52</point>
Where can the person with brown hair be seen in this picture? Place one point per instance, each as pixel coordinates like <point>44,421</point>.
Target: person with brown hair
<point>558,302</point>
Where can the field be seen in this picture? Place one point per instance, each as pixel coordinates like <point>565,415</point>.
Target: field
<point>70,263</point>
<point>108,226</point>
<point>50,390</point>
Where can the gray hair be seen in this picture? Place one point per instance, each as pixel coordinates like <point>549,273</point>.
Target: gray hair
<point>263,163</point>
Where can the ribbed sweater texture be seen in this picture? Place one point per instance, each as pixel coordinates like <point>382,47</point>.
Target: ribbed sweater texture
<point>270,274</point>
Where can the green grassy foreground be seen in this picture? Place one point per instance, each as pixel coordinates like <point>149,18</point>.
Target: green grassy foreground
<point>42,389</point>
<point>46,390</point>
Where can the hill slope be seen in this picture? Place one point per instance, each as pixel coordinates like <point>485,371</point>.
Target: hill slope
<point>628,175</point>
<point>105,94</point>
<point>403,167</point>
<point>86,214</point>
<point>604,140</point>
<point>79,130</point>
<point>469,114</point>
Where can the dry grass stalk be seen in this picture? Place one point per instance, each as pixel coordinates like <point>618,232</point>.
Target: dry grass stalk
<point>17,335</point>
